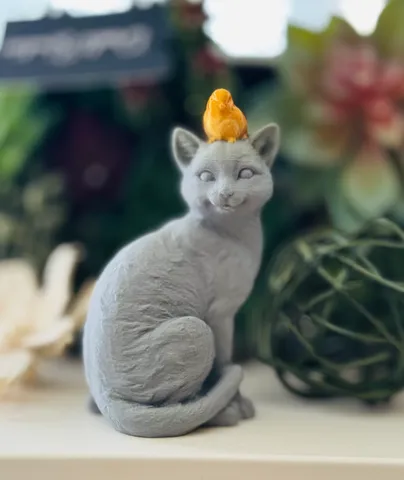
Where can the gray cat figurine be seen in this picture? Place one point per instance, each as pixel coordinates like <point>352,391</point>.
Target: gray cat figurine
<point>157,342</point>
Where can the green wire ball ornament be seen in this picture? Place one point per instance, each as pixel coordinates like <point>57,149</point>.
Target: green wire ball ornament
<point>334,323</point>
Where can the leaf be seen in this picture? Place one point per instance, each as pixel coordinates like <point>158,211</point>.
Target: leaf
<point>339,30</point>
<point>389,32</point>
<point>32,130</point>
<point>12,159</point>
<point>303,39</point>
<point>16,104</point>
<point>306,146</point>
<point>370,184</point>
<point>20,130</point>
<point>297,66</point>
<point>342,216</point>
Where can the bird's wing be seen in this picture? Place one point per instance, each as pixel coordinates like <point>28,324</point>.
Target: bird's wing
<point>241,120</point>
<point>208,124</point>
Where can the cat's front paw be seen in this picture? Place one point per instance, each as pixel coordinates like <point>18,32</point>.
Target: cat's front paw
<point>245,406</point>
<point>240,408</point>
<point>228,417</point>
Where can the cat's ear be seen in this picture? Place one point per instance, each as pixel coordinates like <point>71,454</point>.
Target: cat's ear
<point>184,146</point>
<point>266,142</point>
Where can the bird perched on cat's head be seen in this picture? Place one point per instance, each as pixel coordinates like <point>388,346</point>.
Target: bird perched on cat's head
<point>222,119</point>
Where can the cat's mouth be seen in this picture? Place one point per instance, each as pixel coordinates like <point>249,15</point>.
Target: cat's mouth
<point>226,207</point>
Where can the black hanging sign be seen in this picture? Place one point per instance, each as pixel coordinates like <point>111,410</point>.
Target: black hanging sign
<point>66,50</point>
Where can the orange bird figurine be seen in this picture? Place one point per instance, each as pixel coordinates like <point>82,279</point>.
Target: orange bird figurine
<point>222,120</point>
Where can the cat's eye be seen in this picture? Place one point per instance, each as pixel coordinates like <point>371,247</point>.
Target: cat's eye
<point>245,173</point>
<point>206,176</point>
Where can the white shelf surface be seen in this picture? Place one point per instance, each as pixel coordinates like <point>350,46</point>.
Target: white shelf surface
<point>47,433</point>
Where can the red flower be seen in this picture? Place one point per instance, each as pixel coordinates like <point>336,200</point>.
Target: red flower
<point>340,104</point>
<point>359,88</point>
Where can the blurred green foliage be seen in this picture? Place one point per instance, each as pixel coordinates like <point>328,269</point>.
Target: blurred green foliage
<point>30,199</point>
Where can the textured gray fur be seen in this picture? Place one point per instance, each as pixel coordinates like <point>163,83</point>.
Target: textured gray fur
<point>159,332</point>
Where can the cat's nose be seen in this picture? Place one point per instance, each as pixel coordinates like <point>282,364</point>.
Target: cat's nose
<point>225,194</point>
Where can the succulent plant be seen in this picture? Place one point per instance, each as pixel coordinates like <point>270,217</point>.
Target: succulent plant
<point>332,323</point>
<point>340,102</point>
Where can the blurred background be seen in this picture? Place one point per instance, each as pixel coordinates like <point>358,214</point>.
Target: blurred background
<point>90,91</point>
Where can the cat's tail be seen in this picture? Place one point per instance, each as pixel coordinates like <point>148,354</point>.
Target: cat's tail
<point>178,419</point>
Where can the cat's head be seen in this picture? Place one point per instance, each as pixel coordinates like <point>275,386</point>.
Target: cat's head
<point>224,178</point>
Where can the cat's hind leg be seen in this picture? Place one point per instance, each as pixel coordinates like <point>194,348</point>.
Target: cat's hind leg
<point>157,391</point>
<point>172,361</point>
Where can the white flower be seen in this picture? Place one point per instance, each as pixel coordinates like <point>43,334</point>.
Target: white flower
<point>34,319</point>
